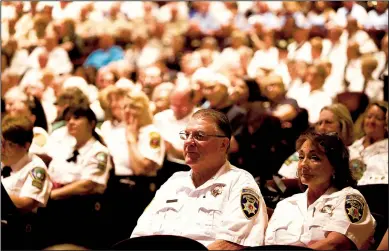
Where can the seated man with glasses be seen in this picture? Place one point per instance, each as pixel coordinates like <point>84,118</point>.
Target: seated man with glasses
<point>215,203</point>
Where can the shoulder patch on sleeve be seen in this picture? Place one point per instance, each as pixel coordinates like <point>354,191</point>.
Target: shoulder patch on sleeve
<point>155,140</point>
<point>354,207</point>
<point>249,202</point>
<point>102,159</point>
<point>38,175</point>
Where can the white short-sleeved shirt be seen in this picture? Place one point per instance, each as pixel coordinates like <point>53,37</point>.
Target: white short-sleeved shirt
<point>314,101</point>
<point>228,207</point>
<point>29,179</point>
<point>300,53</point>
<point>93,163</point>
<point>375,158</point>
<point>345,212</point>
<point>114,135</point>
<point>170,127</point>
<point>150,144</point>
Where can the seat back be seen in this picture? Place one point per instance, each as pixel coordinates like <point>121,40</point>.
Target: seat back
<point>277,247</point>
<point>159,242</point>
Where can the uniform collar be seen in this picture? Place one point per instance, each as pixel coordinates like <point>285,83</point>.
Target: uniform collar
<point>88,145</point>
<point>212,181</point>
<point>302,199</point>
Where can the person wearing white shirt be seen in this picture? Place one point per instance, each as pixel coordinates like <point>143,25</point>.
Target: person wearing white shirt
<point>300,49</point>
<point>314,98</point>
<point>369,155</point>
<point>296,86</point>
<point>352,71</point>
<point>215,203</point>
<point>355,34</point>
<point>170,123</point>
<point>373,88</point>
<point>265,58</point>
<point>26,181</point>
<point>330,214</point>
<point>58,58</point>
<point>378,17</point>
<point>353,9</point>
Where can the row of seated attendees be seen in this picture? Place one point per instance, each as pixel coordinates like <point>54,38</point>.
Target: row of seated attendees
<point>109,88</point>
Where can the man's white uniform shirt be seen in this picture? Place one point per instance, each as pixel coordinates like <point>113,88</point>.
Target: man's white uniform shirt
<point>29,179</point>
<point>345,212</point>
<point>218,209</point>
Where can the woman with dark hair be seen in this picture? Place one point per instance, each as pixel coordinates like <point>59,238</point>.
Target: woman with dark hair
<point>330,214</point>
<point>77,180</point>
<point>86,171</point>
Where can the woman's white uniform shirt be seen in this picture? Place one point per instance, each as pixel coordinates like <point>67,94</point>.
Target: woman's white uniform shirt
<point>93,163</point>
<point>375,158</point>
<point>29,179</point>
<point>229,206</point>
<point>150,145</point>
<point>345,212</point>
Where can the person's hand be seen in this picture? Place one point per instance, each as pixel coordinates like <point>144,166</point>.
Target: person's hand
<point>68,46</point>
<point>132,129</point>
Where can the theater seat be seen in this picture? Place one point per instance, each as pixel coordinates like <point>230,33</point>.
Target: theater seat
<point>376,196</point>
<point>277,247</point>
<point>159,242</point>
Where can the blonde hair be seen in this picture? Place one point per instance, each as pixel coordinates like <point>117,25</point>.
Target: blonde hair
<point>358,127</point>
<point>139,99</point>
<point>105,97</point>
<point>343,116</point>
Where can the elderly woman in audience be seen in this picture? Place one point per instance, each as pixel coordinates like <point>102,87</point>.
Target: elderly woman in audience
<point>18,104</point>
<point>330,214</point>
<point>160,97</point>
<point>145,155</point>
<point>113,128</point>
<point>369,154</point>
<point>332,118</point>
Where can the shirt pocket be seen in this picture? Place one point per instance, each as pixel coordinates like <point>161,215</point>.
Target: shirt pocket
<point>167,217</point>
<point>284,232</point>
<point>316,227</point>
<point>208,213</point>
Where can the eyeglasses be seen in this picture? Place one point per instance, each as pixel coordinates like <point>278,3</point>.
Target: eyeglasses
<point>198,136</point>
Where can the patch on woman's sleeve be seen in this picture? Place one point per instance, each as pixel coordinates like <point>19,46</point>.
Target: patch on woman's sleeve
<point>249,202</point>
<point>155,140</point>
<point>102,160</point>
<point>354,207</point>
<point>38,175</point>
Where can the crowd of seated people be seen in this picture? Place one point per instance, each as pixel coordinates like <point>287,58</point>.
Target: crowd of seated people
<point>108,86</point>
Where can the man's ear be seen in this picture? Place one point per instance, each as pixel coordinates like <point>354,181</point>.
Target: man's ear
<point>226,144</point>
